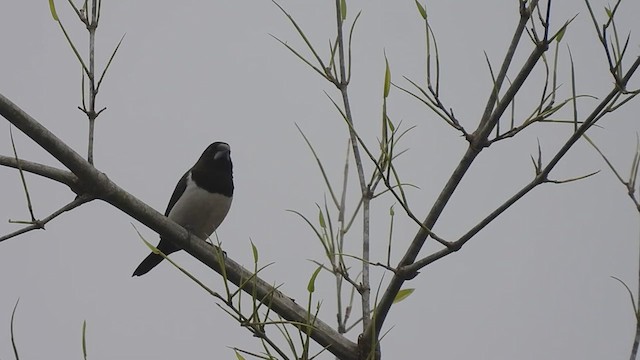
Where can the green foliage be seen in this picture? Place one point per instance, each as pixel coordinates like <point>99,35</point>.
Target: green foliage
<point>421,10</point>
<point>238,355</point>
<point>387,77</point>
<point>311,287</point>
<point>403,294</point>
<point>52,8</point>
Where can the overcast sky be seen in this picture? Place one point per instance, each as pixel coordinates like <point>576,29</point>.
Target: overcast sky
<point>535,284</point>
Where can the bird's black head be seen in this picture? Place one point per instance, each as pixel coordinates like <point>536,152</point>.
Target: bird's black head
<point>214,168</point>
<point>217,154</point>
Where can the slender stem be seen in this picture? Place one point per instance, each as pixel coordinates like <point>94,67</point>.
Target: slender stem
<point>24,181</point>
<point>92,125</point>
<point>93,25</point>
<point>342,320</point>
<point>365,290</point>
<point>636,339</point>
<point>525,15</point>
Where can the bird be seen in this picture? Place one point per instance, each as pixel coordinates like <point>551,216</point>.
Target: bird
<point>200,201</point>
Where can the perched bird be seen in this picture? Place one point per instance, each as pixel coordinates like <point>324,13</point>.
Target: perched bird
<point>200,201</point>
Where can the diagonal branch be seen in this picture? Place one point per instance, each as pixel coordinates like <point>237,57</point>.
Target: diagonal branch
<point>102,188</point>
<point>542,177</point>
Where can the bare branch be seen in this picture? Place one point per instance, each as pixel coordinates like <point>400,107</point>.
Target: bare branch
<point>24,182</point>
<point>577,178</point>
<point>55,174</point>
<point>539,179</point>
<point>39,224</point>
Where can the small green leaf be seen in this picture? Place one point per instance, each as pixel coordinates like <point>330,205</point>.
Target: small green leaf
<point>321,219</point>
<point>561,32</point>
<point>608,11</point>
<point>403,294</point>
<point>52,8</point>
<point>390,124</point>
<point>387,77</point>
<point>255,252</point>
<point>312,282</point>
<point>149,245</point>
<point>238,356</point>
<point>343,9</point>
<point>391,211</point>
<point>422,10</point>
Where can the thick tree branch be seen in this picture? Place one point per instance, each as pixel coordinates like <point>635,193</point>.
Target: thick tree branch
<point>99,185</point>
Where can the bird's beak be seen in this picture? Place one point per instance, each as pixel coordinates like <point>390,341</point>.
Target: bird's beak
<point>223,153</point>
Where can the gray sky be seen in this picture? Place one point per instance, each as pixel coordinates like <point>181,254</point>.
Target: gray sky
<point>535,284</point>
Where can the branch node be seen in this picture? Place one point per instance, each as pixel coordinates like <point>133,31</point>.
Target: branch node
<point>366,347</point>
<point>477,143</point>
<point>406,273</point>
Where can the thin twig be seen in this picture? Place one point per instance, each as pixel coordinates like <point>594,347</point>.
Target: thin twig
<point>91,113</point>
<point>13,338</point>
<point>366,194</point>
<point>24,182</point>
<point>39,224</point>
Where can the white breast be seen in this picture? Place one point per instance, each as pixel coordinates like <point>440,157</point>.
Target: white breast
<point>200,211</point>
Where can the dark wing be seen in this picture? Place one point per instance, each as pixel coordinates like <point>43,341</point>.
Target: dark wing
<point>179,190</point>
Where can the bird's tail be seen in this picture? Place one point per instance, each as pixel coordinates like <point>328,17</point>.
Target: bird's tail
<point>147,264</point>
